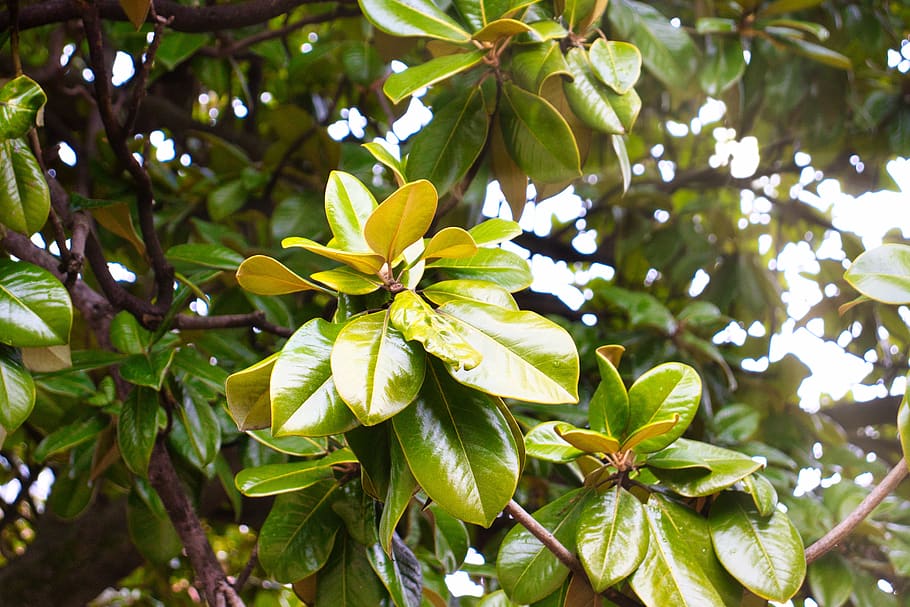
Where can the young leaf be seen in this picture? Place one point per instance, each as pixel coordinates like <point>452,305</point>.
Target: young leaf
<point>660,394</point>
<point>348,204</point>
<point>459,448</point>
<point>608,411</point>
<point>616,64</point>
<point>247,395</point>
<point>401,84</point>
<point>501,28</point>
<point>477,291</point>
<point>534,64</point>
<point>417,321</point>
<point>543,442</point>
<point>368,263</point>
<point>764,554</point>
<point>612,536</point>
<point>413,18</point>
<point>494,231</point>
<point>264,275</point>
<point>348,280</point>
<point>648,431</point>
<point>301,388</point>
<point>376,372</point>
<point>36,307</point>
<point>497,266</point>
<point>20,101</point>
<point>882,273</point>
<point>450,242</point>
<point>401,219</point>
<point>589,441</point>
<point>392,162</point>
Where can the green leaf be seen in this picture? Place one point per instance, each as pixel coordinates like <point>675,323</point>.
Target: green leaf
<point>392,162</point>
<point>787,6</point>
<point>297,537</point>
<point>672,572</point>
<point>196,431</point>
<point>589,441</point>
<point>264,275</point>
<point>831,579</point>
<point>668,52</point>
<point>764,554</point>
<point>226,199</point>
<point>525,356</point>
<point>818,53</point>
<point>527,570</point>
<point>147,369</point>
<point>348,579</point>
<point>459,448</point>
<point>882,273</point>
<point>417,321</point>
<point>24,196</point>
<point>544,31</point>
<point>500,29</point>
<point>402,486</point>
<point>205,255</point>
<point>763,493</point>
<point>444,150</point>
<point>151,530</point>
<point>376,372</point>
<point>20,101</point>
<point>612,536</point>
<point>348,280</point>
<point>401,84</point>
<point>622,156</point>
<point>368,263</point>
<point>649,431</point>
<point>580,14</point>
<point>903,422</point>
<point>696,469</point>
<point>348,204</point>
<point>476,291</point>
<point>660,394</point>
<point>357,510</point>
<point>450,539</point>
<point>401,219</point>
<point>302,391</point>
<point>401,579</point>
<point>36,307</point>
<point>543,442</point>
<point>137,429</point>
<point>72,492</point>
<point>413,18</point>
<point>723,67</point>
<point>247,394</point>
<point>498,266</point>
<point>494,231</point>
<point>616,64</point>
<point>66,437</point>
<point>608,411</point>
<point>273,479</point>
<point>596,103</point>
<point>127,335</point>
<point>291,445</point>
<point>537,137</point>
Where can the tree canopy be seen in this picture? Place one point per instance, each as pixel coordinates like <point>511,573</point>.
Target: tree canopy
<point>324,302</point>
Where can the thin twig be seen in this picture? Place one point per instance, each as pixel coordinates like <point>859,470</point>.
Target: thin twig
<point>840,531</point>
<point>244,576</point>
<point>141,79</point>
<point>256,319</point>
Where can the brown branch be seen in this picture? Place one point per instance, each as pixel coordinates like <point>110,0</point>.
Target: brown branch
<point>256,319</point>
<point>244,576</point>
<point>139,83</point>
<point>163,477</point>
<point>859,514</point>
<point>185,18</point>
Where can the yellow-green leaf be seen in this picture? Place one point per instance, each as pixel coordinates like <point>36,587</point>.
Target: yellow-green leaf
<point>368,263</point>
<point>450,242</point>
<point>587,440</point>
<point>401,219</point>
<point>136,11</point>
<point>265,275</point>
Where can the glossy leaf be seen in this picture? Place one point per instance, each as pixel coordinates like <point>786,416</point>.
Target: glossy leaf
<point>534,64</point>
<point>527,570</point>
<point>247,394</point>
<point>580,14</point>
<point>696,469</point>
<point>265,275</point>
<point>612,536</point>
<point>764,554</point>
<point>348,204</point>
<point>450,539</point>
<point>450,242</point>
<point>197,431</point>
<point>387,158</point>
<point>459,448</point>
<point>291,445</point>
<point>622,156</point>
<point>204,255</point>
<point>348,280</point>
<point>723,67</point>
<point>399,85</point>
<point>297,537</point>
<point>667,51</point>
<point>499,29</point>
<point>671,572</point>
<point>831,580</point>
<point>649,431</point>
<point>543,442</point>
<point>401,219</point>
<point>596,103</point>
<point>137,429</point>
<point>589,441</point>
<point>399,573</point>
<point>413,18</point>
<point>151,530</point>
<point>660,394</point>
<point>127,335</point>
<point>68,436</point>
<point>494,231</point>
<point>304,400</point>
<point>35,308</point>
<point>147,369</point>
<point>818,53</point>
<point>478,291</point>
<point>608,411</point>
<point>764,496</point>
<point>376,372</point>
<point>616,64</point>
<point>368,263</point>
<point>402,486</point>
<point>882,273</point>
<point>348,579</point>
<point>20,101</point>
<point>417,321</point>
<point>498,266</point>
<point>539,356</point>
<point>273,479</point>
<point>537,136</point>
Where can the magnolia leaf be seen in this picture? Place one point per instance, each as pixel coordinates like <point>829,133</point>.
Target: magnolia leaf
<point>137,429</point>
<point>247,395</point>
<point>494,231</point>
<point>301,388</point>
<point>136,11</point>
<point>303,446</point>
<point>205,255</point>
<point>273,479</point>
<point>831,579</point>
<point>616,64</point>
<point>477,291</point>
<point>348,579</point>
<point>392,162</point>
<point>818,53</point>
<point>648,431</point>
<point>659,395</point>
<point>47,359</point>
<point>608,411</point>
<point>348,204</point>
<point>401,84</point>
<point>264,275</point>
<point>612,536</point>
<point>622,155</point>
<point>118,219</point>
<point>764,554</point>
<point>401,219</point>
<point>534,64</point>
<point>513,182</point>
<point>417,321</point>
<point>368,263</point>
<point>348,280</point>
<point>400,573</point>
<point>589,441</point>
<point>903,422</point>
<point>21,100</point>
<point>501,28</point>
<point>596,103</point>
<point>723,66</point>
<point>24,195</point>
<point>497,266</point>
<point>402,486</point>
<point>763,493</point>
<point>544,442</point>
<point>376,372</point>
<point>36,307</point>
<point>68,436</point>
<point>460,448</point>
<point>697,469</point>
<point>882,274</point>
<point>413,18</point>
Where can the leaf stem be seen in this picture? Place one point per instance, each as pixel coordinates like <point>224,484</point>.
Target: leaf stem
<point>846,526</point>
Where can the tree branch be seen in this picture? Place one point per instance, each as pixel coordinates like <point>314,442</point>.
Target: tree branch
<point>226,321</point>
<point>846,526</point>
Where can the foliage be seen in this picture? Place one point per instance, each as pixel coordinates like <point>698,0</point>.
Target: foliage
<point>326,346</point>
